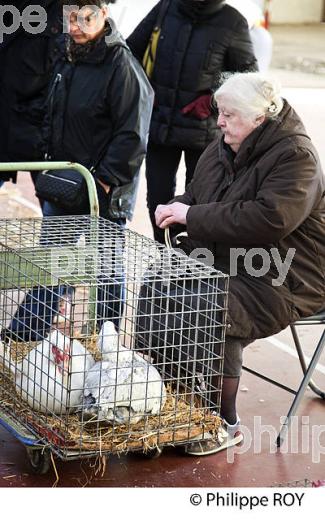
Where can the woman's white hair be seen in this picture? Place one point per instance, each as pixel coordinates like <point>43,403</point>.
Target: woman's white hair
<point>252,94</point>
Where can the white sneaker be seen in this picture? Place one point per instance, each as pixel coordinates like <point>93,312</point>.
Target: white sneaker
<point>232,429</point>
<point>207,444</point>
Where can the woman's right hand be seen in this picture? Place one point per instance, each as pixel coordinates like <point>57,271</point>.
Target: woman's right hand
<point>169,214</point>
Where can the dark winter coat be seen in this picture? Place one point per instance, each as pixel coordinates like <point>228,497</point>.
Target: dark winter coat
<point>193,49</point>
<point>271,196</point>
<point>26,66</point>
<point>99,113</point>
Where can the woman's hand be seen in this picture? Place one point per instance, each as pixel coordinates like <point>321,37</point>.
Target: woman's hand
<point>169,214</point>
<point>106,187</point>
<point>200,108</point>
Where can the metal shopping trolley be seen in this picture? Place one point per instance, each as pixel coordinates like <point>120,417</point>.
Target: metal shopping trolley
<point>109,342</point>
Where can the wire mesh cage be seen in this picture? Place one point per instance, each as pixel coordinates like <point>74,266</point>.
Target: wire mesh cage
<point>109,342</point>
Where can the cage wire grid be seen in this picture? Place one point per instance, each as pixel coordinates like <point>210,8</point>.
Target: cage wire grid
<point>109,341</point>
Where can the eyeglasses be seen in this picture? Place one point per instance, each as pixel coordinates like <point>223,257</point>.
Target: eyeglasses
<point>83,20</point>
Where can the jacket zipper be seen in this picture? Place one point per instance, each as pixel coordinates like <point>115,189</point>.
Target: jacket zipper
<point>67,102</point>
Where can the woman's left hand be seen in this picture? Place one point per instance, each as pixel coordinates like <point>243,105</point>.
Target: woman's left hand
<point>200,108</point>
<point>169,214</point>
<point>106,187</point>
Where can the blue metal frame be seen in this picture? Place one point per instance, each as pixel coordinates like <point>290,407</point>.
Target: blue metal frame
<point>27,441</point>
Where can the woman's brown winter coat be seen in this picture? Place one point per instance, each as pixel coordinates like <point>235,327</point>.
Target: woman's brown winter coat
<point>255,210</point>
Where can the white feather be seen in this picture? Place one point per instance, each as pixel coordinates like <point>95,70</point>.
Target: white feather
<point>111,349</point>
<point>124,387</point>
<point>41,383</point>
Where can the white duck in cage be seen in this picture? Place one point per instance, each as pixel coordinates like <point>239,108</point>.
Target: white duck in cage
<point>51,377</point>
<point>124,387</point>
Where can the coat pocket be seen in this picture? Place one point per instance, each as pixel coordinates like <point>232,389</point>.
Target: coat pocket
<point>213,61</point>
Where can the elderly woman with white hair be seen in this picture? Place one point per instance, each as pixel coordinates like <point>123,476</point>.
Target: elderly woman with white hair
<point>257,203</point>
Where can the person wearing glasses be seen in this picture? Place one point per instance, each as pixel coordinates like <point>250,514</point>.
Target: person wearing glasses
<point>99,107</point>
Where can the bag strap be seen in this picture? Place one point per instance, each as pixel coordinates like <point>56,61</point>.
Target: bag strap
<point>149,57</point>
<point>162,13</point>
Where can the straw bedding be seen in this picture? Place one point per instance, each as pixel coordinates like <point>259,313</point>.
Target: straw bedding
<point>178,421</point>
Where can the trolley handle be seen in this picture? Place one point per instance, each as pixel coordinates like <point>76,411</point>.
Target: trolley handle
<point>51,165</point>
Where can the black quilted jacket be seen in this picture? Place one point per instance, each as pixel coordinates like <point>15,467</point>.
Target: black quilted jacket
<point>198,41</point>
<point>98,114</point>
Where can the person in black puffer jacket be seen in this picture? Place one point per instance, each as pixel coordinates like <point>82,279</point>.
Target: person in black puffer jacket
<point>98,111</point>
<point>199,41</point>
<point>26,62</point>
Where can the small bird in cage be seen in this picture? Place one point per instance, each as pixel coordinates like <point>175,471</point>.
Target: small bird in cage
<point>124,387</point>
<point>50,378</point>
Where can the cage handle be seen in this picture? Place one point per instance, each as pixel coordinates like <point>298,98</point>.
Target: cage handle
<point>168,241</point>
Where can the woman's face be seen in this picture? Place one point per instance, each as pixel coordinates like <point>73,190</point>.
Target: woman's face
<point>86,24</point>
<point>234,125</point>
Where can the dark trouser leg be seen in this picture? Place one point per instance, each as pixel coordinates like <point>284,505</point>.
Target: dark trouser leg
<point>111,280</point>
<point>161,167</point>
<point>34,176</point>
<point>191,160</point>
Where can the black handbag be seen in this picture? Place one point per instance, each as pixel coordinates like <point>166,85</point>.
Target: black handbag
<point>66,188</point>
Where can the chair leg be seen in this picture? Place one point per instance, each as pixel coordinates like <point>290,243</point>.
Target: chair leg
<point>303,363</point>
<point>301,390</point>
